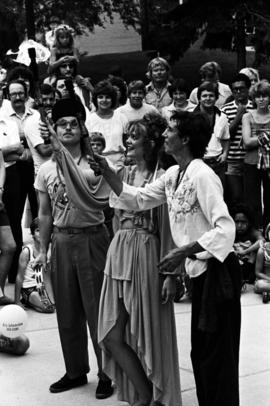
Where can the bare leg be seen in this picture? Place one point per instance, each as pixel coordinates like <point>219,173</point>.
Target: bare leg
<point>7,247</point>
<point>127,359</point>
<point>36,303</point>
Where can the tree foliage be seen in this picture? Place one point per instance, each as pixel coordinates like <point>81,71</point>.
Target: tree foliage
<point>220,22</point>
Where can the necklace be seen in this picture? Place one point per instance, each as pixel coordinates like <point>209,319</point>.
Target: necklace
<point>180,176</point>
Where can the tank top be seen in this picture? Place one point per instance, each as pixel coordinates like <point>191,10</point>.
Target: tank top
<point>29,280</point>
<point>256,128</point>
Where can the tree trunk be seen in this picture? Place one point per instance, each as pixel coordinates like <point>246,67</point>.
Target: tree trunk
<point>145,35</point>
<point>240,42</point>
<point>30,18</point>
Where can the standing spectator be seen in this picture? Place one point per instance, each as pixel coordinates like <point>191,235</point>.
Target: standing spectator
<point>79,246</point>
<point>157,92</point>
<point>12,150</point>
<point>211,72</point>
<point>256,137</point>
<point>252,74</point>
<point>111,124</point>
<point>25,74</point>
<point>21,113</point>
<point>204,234</point>
<point>40,151</point>
<point>179,92</point>
<point>121,90</point>
<point>135,107</point>
<point>7,243</point>
<point>235,110</point>
<point>218,146</point>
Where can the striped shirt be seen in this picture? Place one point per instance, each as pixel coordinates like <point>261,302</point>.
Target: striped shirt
<point>236,150</point>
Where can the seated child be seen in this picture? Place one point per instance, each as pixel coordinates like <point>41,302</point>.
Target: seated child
<point>30,280</point>
<point>262,269</point>
<point>247,241</point>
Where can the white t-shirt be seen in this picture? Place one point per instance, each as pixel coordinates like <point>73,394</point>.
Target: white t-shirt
<point>136,114</point>
<point>113,130</point>
<point>168,111</point>
<point>221,132</point>
<point>32,134</point>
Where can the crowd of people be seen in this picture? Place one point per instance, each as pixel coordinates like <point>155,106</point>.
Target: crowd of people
<point>136,191</point>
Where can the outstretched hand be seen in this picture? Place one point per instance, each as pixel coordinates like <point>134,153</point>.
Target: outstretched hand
<point>98,163</point>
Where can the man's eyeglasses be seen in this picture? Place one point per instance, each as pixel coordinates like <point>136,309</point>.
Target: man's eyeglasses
<point>16,94</point>
<point>64,124</point>
<point>238,89</point>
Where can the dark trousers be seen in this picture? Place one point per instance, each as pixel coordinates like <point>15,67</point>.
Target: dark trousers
<point>27,177</point>
<point>11,199</point>
<point>78,262</point>
<point>19,183</point>
<point>256,180</point>
<point>215,356</point>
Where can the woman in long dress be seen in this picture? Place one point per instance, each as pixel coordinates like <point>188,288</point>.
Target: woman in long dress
<point>136,316</point>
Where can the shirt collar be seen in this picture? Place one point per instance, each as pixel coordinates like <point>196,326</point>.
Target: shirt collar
<point>151,86</point>
<point>28,112</point>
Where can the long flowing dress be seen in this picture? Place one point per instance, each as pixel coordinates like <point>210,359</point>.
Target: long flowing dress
<point>131,274</point>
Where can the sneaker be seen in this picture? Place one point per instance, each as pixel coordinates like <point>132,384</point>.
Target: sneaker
<point>104,389</point>
<point>265,297</point>
<point>66,383</point>
<point>4,300</point>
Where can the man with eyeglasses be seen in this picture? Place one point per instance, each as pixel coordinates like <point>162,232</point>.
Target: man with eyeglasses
<point>235,111</point>
<point>79,245</point>
<point>23,178</point>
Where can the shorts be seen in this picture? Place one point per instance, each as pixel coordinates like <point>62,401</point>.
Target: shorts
<point>26,292</point>
<point>4,221</point>
<point>235,168</point>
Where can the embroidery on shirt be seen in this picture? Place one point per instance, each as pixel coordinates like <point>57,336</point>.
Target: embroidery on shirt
<point>183,201</point>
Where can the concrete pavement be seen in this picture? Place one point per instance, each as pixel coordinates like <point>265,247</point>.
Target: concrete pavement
<point>25,380</point>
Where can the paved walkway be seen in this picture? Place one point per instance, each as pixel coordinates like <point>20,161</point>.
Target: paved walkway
<point>25,380</point>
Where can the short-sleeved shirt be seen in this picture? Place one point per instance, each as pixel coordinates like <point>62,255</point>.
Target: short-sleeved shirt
<point>32,134</point>
<point>65,214</point>
<point>158,98</point>
<point>220,132</point>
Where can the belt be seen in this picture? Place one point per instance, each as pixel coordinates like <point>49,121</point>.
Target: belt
<point>75,230</point>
